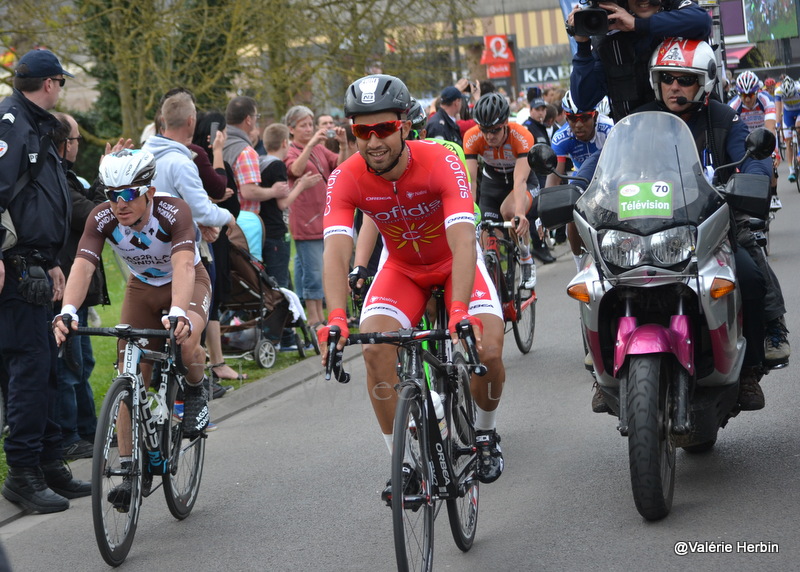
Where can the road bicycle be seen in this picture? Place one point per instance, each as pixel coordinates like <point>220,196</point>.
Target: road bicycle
<point>502,258</point>
<point>442,450</point>
<point>153,426</point>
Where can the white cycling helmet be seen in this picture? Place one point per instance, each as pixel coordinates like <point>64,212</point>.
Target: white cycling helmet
<point>789,87</point>
<point>747,83</point>
<point>128,168</point>
<point>569,106</point>
<point>688,56</point>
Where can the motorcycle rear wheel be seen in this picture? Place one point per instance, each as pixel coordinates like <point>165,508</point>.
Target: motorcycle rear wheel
<point>650,446</point>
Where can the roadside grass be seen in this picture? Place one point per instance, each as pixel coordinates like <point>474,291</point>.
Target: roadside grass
<point>105,348</point>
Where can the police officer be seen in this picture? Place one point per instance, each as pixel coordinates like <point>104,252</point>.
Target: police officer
<point>33,189</point>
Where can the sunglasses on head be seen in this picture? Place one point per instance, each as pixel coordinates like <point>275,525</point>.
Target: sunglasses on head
<point>381,130</point>
<point>126,195</point>
<point>492,131</point>
<point>684,80</point>
<point>584,116</point>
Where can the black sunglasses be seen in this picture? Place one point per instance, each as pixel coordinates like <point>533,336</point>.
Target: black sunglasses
<point>59,80</point>
<point>684,80</point>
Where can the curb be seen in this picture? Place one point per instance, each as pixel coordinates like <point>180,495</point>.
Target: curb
<point>241,398</point>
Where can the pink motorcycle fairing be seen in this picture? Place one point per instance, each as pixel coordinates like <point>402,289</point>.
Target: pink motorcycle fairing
<point>654,338</point>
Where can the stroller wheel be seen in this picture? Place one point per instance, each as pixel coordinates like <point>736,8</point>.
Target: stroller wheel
<point>265,354</point>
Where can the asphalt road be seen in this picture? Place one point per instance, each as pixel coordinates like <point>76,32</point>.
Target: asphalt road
<point>292,482</point>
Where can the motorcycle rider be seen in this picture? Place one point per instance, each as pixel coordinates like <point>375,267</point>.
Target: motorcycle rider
<point>683,74</point>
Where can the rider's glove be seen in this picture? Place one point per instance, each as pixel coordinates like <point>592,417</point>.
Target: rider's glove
<point>356,274</point>
<point>336,317</point>
<point>67,310</point>
<point>179,313</point>
<point>458,312</point>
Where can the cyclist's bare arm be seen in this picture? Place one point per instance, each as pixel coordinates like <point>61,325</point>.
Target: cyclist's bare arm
<point>183,287</point>
<point>365,244</point>
<point>553,180</point>
<point>336,265</point>
<point>521,173</point>
<point>461,239</point>
<point>80,277</point>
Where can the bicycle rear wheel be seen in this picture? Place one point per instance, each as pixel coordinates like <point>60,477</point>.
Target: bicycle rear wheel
<point>525,306</point>
<point>796,164</point>
<point>114,528</point>
<point>186,457</point>
<point>463,511</point>
<point>413,509</point>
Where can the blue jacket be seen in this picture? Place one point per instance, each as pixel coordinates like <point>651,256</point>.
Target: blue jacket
<point>618,65</point>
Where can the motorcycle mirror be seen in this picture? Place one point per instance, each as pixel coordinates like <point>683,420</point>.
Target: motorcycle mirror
<point>760,143</point>
<point>542,159</point>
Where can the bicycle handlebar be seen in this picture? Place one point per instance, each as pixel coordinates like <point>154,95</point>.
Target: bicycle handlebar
<point>335,357</point>
<point>128,333</point>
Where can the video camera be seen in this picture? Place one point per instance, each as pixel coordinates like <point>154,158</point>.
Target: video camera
<point>591,20</point>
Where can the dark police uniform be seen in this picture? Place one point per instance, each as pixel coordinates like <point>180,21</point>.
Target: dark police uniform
<point>41,213</point>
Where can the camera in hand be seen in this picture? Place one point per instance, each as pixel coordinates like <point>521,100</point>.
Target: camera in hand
<point>591,20</point>
<point>330,133</point>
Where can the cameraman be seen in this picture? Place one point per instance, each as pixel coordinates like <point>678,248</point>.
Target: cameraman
<point>616,64</point>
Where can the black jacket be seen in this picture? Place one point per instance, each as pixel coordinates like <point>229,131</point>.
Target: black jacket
<point>83,202</point>
<point>441,126</point>
<point>41,211</point>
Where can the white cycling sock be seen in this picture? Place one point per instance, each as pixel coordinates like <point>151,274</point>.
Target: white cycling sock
<point>526,259</point>
<point>388,438</point>
<point>485,420</point>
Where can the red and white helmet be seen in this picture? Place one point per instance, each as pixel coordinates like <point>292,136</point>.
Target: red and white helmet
<point>688,56</point>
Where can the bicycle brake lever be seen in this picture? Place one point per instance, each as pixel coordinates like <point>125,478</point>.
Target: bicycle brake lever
<point>465,333</point>
<point>335,358</point>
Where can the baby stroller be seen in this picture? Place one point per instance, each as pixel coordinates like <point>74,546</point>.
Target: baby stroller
<point>253,318</point>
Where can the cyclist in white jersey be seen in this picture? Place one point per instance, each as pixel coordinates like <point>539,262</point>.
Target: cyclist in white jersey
<point>787,97</point>
<point>754,106</point>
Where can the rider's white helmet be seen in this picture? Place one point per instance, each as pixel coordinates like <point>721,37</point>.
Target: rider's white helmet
<point>128,168</point>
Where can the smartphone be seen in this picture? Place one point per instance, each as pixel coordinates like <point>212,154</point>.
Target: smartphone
<point>214,129</point>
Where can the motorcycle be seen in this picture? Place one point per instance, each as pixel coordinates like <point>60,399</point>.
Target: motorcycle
<point>660,307</point>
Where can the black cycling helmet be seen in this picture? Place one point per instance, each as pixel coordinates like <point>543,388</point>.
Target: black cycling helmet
<point>417,115</point>
<point>376,93</point>
<point>490,110</point>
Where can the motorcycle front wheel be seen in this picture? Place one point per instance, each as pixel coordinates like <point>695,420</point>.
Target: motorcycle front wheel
<point>650,446</point>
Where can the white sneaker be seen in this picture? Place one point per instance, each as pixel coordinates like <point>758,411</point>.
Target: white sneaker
<point>775,203</point>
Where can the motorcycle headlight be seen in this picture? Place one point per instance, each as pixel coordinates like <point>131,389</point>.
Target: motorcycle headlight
<point>622,249</point>
<point>666,248</point>
<point>671,246</point>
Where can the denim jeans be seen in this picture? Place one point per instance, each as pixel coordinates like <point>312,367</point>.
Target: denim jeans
<point>308,260</point>
<point>75,411</point>
<point>277,252</point>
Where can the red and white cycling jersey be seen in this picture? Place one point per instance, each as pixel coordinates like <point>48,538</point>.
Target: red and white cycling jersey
<point>763,110</point>
<point>411,213</point>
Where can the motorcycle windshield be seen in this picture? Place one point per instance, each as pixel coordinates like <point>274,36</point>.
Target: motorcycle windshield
<point>648,178</point>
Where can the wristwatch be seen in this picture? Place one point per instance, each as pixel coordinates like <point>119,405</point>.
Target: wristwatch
<point>570,29</point>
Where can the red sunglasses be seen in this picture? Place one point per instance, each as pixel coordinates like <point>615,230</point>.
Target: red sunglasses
<point>381,130</point>
<point>583,117</point>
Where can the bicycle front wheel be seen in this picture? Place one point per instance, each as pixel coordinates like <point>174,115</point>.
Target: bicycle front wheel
<point>412,508</point>
<point>116,490</point>
<point>525,306</point>
<point>463,511</point>
<point>186,457</point>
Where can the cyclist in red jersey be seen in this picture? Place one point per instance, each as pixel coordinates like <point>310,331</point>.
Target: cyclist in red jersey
<point>418,195</point>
